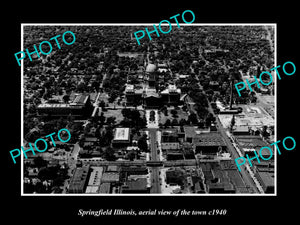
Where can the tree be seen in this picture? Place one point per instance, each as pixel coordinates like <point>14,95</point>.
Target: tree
<point>167,123</point>
<point>109,154</point>
<point>201,124</point>
<point>102,118</point>
<point>166,112</point>
<point>131,155</point>
<point>48,173</point>
<point>174,113</point>
<point>142,143</point>
<point>113,95</point>
<point>111,120</point>
<point>40,162</point>
<point>102,104</point>
<point>59,181</point>
<point>264,132</point>
<point>126,112</point>
<point>193,118</point>
<point>66,98</point>
<point>209,119</point>
<point>182,122</point>
<point>108,135</point>
<point>175,122</point>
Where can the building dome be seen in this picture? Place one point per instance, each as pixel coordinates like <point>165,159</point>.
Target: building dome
<point>150,68</point>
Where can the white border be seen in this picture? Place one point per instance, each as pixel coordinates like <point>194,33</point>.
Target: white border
<point>148,24</point>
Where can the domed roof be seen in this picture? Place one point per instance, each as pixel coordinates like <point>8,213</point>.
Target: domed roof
<point>150,68</point>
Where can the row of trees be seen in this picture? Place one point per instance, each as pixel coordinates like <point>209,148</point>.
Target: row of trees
<point>133,119</point>
<point>192,120</point>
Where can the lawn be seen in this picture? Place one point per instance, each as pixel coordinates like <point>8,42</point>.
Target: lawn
<point>180,115</point>
<point>115,113</point>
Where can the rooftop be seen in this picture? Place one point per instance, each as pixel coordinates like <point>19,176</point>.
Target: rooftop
<point>79,178</point>
<point>104,188</point>
<point>110,177</point>
<point>171,89</point>
<point>209,139</point>
<point>121,134</point>
<point>95,176</point>
<point>150,68</point>
<point>80,99</point>
<point>139,184</point>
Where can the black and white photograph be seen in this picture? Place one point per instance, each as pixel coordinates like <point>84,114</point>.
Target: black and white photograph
<point>146,113</point>
<point>163,117</point>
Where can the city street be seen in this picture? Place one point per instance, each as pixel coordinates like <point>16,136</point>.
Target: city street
<point>155,188</point>
<point>231,149</point>
<point>72,159</point>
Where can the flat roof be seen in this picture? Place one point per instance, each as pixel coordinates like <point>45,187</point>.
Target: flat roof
<point>95,177</point>
<point>189,131</point>
<point>136,185</point>
<point>110,177</point>
<point>122,134</point>
<point>79,177</point>
<point>53,105</point>
<point>92,189</point>
<point>104,188</point>
<point>209,139</point>
<point>80,99</point>
<point>267,178</point>
<point>241,129</point>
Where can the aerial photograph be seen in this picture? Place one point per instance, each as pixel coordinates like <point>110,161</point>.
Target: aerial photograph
<point>162,117</point>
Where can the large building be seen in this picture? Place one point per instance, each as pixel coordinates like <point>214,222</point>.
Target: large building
<point>169,139</point>
<point>134,96</point>
<point>209,143</point>
<point>204,142</point>
<point>216,180</point>
<point>79,179</point>
<point>80,107</point>
<point>171,95</point>
<point>250,143</point>
<point>148,94</point>
<point>95,180</point>
<point>121,137</point>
